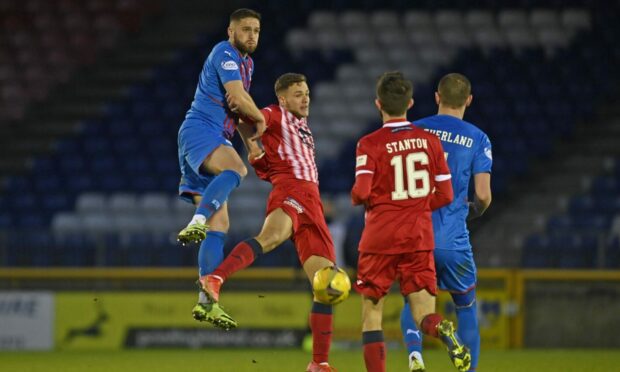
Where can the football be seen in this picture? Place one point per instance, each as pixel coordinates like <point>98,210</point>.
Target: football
<point>331,285</point>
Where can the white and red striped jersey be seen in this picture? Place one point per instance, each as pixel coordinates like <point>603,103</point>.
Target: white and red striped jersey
<point>289,148</point>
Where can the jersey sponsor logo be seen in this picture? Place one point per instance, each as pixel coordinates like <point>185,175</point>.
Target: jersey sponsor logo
<point>361,160</point>
<point>293,203</point>
<point>306,138</point>
<point>399,129</point>
<point>488,153</point>
<point>230,65</point>
<point>229,53</point>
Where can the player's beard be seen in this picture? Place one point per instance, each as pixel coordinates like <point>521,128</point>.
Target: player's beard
<point>242,47</point>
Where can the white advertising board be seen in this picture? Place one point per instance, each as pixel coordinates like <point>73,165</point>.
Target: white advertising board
<point>26,320</point>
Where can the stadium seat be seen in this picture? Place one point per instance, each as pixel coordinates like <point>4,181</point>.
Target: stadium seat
<point>91,203</point>
<point>126,157</point>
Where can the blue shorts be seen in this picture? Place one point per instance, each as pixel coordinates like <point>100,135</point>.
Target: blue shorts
<point>196,141</point>
<point>456,270</point>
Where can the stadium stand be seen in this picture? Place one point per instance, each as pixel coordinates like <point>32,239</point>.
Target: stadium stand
<point>97,173</point>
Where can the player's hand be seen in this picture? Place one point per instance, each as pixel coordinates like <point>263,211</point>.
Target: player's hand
<point>233,104</point>
<point>255,155</point>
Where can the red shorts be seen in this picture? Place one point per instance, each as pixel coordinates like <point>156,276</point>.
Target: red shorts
<point>414,270</point>
<point>302,202</point>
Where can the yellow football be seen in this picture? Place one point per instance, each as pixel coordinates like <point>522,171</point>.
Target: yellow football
<point>331,285</point>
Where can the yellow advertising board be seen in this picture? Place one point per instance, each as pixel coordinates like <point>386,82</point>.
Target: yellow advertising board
<point>112,320</point>
<point>105,320</point>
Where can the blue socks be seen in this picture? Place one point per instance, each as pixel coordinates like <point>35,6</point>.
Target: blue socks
<point>467,326</point>
<point>411,334</point>
<point>217,192</point>
<point>211,252</point>
<point>467,318</point>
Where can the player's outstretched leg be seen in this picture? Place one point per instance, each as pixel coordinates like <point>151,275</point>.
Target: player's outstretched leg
<point>459,353</point>
<point>467,318</point>
<point>212,312</point>
<point>413,339</point>
<point>435,325</point>
<point>210,255</point>
<point>321,325</point>
<point>199,311</point>
<point>195,231</point>
<point>214,196</point>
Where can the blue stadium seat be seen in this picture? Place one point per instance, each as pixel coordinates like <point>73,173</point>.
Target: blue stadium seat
<point>120,127</point>
<point>577,251</point>
<point>538,251</point>
<point>131,147</point>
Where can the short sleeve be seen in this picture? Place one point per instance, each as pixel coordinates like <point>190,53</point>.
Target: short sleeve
<point>364,160</point>
<point>483,158</point>
<point>267,113</point>
<point>226,63</point>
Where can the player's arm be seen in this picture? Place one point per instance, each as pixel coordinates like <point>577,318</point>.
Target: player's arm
<point>442,180</point>
<point>244,104</point>
<point>482,195</point>
<point>481,169</point>
<point>443,194</point>
<point>364,172</point>
<point>361,189</point>
<point>246,131</point>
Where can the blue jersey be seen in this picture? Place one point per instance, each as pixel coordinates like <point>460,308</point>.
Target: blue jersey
<point>224,64</point>
<point>468,151</point>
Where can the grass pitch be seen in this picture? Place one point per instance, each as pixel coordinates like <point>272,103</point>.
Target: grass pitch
<point>286,360</point>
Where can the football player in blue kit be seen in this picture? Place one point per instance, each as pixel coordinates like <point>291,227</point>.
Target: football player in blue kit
<point>210,166</point>
<point>468,152</point>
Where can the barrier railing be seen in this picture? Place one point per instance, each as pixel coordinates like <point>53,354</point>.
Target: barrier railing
<point>504,294</point>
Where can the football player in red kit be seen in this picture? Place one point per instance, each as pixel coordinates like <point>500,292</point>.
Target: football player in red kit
<point>401,176</point>
<point>294,209</point>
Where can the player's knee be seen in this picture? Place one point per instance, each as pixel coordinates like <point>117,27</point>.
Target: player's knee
<point>467,299</point>
<point>269,240</point>
<point>221,226</point>
<point>241,170</point>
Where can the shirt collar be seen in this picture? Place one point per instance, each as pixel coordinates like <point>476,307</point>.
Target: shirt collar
<point>395,123</point>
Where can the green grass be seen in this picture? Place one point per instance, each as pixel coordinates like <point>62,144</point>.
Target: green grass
<point>274,360</point>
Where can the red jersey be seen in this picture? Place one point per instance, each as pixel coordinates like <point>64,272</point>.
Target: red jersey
<point>289,148</point>
<point>405,163</point>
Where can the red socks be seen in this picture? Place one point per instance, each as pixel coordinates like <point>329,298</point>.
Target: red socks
<point>374,351</point>
<point>429,324</point>
<point>321,324</point>
<point>239,258</point>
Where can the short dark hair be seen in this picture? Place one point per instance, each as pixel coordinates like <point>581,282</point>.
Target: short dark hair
<point>394,92</point>
<point>454,89</point>
<point>242,13</point>
<point>288,79</point>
